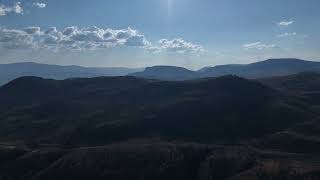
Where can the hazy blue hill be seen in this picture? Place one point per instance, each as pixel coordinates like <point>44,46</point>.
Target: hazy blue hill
<point>267,68</point>
<point>9,72</point>
<point>221,70</point>
<point>166,73</point>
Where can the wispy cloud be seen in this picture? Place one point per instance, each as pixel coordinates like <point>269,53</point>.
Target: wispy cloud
<point>259,46</point>
<point>40,5</point>
<point>285,23</point>
<point>287,34</point>
<point>16,8</point>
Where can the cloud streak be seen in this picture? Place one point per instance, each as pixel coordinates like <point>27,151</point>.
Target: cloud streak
<point>259,46</point>
<point>285,23</point>
<point>287,34</point>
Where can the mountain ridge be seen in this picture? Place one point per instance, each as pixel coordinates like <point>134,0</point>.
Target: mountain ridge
<point>261,69</point>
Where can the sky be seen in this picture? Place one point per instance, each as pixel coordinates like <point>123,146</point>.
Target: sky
<point>141,33</point>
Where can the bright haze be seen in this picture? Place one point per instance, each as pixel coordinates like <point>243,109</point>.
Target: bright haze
<point>141,33</point>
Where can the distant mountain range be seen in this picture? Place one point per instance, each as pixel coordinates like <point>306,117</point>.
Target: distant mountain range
<point>262,69</point>
<point>267,68</point>
<point>9,72</point>
<point>166,73</point>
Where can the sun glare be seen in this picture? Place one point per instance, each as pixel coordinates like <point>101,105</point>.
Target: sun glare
<point>169,7</point>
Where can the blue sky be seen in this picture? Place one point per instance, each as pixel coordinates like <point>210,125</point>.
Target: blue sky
<point>139,33</point>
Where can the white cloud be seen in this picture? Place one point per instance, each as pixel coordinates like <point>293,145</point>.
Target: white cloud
<point>51,30</point>
<point>40,5</point>
<point>32,30</point>
<point>89,38</point>
<point>3,10</point>
<point>16,8</point>
<point>176,46</point>
<point>259,46</point>
<point>69,30</point>
<point>287,34</point>
<point>71,38</point>
<point>12,38</point>
<point>285,23</point>
<point>50,40</point>
<point>125,33</point>
<point>137,40</point>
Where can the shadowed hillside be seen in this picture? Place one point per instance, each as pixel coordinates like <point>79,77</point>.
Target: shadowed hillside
<point>132,128</point>
<point>103,110</point>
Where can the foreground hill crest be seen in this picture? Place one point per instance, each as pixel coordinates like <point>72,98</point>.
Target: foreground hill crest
<point>120,127</point>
